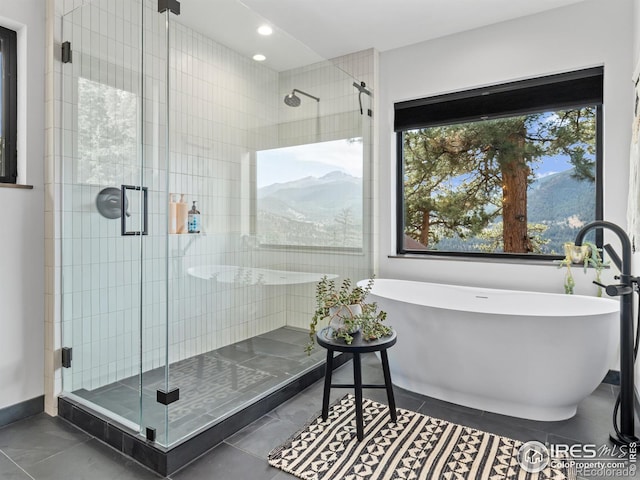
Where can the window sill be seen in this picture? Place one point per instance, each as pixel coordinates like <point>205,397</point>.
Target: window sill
<point>455,258</point>
<point>16,185</point>
<point>310,250</point>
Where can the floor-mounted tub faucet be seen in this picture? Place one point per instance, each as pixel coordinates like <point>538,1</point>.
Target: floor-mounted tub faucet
<point>626,433</point>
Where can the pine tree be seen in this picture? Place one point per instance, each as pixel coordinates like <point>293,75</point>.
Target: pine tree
<point>459,178</point>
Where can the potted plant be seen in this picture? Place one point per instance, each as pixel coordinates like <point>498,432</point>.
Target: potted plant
<point>347,312</point>
<point>594,260</point>
<point>587,254</point>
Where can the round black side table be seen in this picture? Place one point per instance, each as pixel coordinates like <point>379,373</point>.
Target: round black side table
<point>358,346</point>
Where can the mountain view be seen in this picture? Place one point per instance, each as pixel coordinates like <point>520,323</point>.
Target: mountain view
<point>559,202</point>
<point>564,205</point>
<point>327,211</point>
<point>311,211</point>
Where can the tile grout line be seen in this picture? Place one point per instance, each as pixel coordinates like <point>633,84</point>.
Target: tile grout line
<point>100,442</point>
<point>19,467</point>
<point>63,451</point>
<point>264,459</point>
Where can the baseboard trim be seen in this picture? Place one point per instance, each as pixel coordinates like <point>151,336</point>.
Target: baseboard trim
<point>612,377</point>
<point>21,410</point>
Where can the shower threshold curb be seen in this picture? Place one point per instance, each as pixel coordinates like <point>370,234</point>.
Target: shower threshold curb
<point>167,461</point>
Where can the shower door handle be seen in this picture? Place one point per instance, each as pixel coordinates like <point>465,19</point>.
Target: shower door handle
<point>140,210</point>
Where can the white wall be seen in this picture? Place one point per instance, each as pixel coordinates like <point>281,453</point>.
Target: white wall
<point>22,218</point>
<point>636,29</point>
<point>583,35</point>
<point>339,117</point>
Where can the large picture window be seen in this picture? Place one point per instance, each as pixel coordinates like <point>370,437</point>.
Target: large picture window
<point>311,195</point>
<point>513,169</point>
<point>8,106</point>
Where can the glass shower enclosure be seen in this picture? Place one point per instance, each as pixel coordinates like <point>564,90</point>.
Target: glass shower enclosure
<point>170,328</point>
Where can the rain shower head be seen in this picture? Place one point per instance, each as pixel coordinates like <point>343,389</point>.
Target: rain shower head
<point>292,100</point>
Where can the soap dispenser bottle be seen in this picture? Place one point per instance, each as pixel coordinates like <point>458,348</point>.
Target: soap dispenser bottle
<point>194,219</point>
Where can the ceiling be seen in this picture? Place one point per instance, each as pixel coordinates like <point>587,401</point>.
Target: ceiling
<point>307,30</point>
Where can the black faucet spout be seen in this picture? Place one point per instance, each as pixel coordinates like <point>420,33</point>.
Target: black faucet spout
<point>625,267</point>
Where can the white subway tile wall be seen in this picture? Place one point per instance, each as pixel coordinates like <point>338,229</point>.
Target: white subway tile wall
<point>223,107</point>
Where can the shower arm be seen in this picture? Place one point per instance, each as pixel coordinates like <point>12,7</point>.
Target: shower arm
<point>305,93</point>
<point>362,88</point>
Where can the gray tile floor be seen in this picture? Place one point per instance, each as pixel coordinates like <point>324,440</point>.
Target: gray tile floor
<point>46,448</point>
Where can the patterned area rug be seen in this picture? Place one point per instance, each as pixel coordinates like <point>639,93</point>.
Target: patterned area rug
<point>416,447</point>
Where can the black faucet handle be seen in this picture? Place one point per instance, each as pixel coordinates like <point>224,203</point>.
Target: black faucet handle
<point>601,285</point>
<point>615,290</point>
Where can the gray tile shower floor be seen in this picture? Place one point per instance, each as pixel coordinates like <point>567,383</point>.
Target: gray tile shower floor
<point>211,384</point>
<point>46,448</point>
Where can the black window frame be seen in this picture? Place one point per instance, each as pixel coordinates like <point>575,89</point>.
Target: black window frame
<point>566,90</point>
<point>8,39</point>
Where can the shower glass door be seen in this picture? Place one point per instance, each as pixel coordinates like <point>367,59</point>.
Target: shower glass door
<point>156,392</point>
<point>113,209</point>
<point>157,106</point>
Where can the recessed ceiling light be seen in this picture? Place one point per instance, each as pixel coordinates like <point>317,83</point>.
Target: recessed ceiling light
<point>265,30</point>
<point>258,57</point>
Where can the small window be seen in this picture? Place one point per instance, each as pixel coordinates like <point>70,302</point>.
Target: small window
<point>8,106</point>
<point>509,170</point>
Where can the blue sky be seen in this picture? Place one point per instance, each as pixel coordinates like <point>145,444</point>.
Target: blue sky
<point>281,165</point>
<point>549,165</point>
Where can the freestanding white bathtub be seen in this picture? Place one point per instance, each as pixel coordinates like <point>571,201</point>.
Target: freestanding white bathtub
<point>524,354</point>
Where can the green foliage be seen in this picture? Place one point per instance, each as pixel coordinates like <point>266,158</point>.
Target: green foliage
<point>569,282</point>
<point>458,179</point>
<point>592,258</point>
<point>573,132</point>
<point>433,209</point>
<point>329,294</point>
<point>491,238</point>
